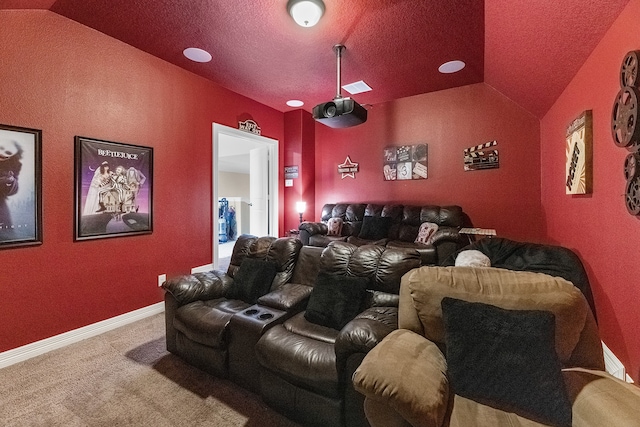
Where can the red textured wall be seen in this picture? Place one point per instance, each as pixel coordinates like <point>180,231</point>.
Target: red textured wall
<point>507,199</point>
<point>598,226</point>
<point>66,79</point>
<point>299,135</point>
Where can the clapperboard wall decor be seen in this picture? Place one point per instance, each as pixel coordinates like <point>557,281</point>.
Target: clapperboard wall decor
<point>480,157</point>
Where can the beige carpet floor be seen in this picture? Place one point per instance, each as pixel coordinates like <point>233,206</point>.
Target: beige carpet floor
<point>124,377</point>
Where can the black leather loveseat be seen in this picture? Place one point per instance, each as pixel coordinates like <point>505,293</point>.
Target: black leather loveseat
<point>391,225</point>
<point>540,258</point>
<point>269,345</point>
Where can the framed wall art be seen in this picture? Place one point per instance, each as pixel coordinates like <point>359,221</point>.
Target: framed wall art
<point>20,187</point>
<point>113,189</point>
<point>482,156</point>
<point>405,162</point>
<point>579,156</point>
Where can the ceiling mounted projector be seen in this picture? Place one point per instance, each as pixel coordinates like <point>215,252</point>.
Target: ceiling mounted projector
<point>340,112</point>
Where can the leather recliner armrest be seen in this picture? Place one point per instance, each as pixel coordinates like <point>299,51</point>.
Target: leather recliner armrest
<point>314,228</point>
<point>289,296</point>
<point>364,332</point>
<point>308,229</point>
<point>447,234</point>
<point>198,286</point>
<point>406,372</point>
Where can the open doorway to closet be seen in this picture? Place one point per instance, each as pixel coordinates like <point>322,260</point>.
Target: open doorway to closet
<point>245,187</point>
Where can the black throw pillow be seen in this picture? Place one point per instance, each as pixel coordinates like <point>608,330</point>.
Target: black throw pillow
<point>506,359</point>
<point>375,227</point>
<point>252,280</point>
<point>335,300</point>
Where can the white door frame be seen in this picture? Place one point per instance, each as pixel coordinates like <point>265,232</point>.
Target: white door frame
<point>273,145</point>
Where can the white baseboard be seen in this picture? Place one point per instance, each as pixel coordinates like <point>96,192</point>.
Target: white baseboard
<point>202,268</point>
<point>10,357</point>
<point>613,365</point>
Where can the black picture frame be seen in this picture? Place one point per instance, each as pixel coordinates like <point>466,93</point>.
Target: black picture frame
<point>20,186</point>
<point>113,189</point>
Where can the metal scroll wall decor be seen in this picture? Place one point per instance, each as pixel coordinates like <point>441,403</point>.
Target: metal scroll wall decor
<point>625,128</point>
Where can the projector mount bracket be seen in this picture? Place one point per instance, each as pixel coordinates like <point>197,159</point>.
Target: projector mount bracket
<point>338,49</point>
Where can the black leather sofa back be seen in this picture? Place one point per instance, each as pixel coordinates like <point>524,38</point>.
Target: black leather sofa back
<point>406,218</point>
<point>402,233</point>
<point>523,256</point>
<point>383,267</point>
<point>284,252</point>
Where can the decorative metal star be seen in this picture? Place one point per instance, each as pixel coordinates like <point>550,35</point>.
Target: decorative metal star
<point>348,168</point>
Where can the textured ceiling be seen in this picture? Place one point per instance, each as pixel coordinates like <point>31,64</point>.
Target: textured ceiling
<point>527,50</point>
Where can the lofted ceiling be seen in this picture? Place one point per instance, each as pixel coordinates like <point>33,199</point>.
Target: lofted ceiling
<point>527,50</point>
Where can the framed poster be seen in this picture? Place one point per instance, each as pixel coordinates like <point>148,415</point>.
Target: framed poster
<point>579,157</point>
<point>405,162</point>
<point>113,189</point>
<point>20,187</point>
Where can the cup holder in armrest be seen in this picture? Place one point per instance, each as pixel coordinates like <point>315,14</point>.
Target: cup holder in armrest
<point>251,312</point>
<point>265,316</point>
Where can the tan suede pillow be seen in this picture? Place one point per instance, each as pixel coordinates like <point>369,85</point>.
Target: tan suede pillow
<point>407,373</point>
<point>512,290</point>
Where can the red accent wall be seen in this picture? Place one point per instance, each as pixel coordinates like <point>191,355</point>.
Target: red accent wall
<point>299,135</point>
<point>597,225</point>
<point>507,199</point>
<point>68,80</point>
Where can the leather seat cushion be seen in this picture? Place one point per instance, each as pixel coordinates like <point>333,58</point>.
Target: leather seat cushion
<point>205,322</point>
<point>303,354</point>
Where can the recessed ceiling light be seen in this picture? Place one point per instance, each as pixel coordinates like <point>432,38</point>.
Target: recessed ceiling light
<point>295,103</point>
<point>197,55</point>
<point>451,67</point>
<point>357,87</point>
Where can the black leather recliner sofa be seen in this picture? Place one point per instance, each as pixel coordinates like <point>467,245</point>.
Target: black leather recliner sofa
<point>400,231</point>
<point>199,311</point>
<point>300,368</point>
<point>307,368</point>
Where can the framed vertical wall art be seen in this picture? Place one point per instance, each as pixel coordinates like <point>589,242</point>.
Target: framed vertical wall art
<point>579,155</point>
<point>113,189</point>
<point>20,186</point>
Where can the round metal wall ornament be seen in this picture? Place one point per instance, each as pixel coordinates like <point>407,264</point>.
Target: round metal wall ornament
<point>629,69</point>
<point>631,167</point>
<point>624,117</point>
<point>633,196</point>
<point>625,128</point>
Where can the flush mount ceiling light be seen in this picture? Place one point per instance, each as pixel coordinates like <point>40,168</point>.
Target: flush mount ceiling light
<point>295,103</point>
<point>451,67</point>
<point>306,13</point>
<point>197,55</point>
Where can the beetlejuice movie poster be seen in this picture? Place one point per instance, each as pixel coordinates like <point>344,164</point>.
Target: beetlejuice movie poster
<point>115,188</point>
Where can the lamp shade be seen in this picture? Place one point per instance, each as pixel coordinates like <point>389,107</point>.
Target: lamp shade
<point>301,207</point>
<point>306,13</point>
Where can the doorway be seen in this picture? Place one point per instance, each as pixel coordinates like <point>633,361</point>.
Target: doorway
<point>238,154</point>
